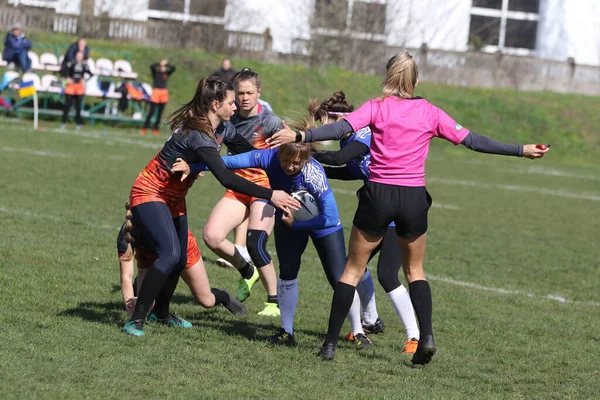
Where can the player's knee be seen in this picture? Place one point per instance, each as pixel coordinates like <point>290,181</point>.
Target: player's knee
<point>288,274</point>
<point>256,243</point>
<point>213,238</point>
<point>206,300</point>
<point>168,262</point>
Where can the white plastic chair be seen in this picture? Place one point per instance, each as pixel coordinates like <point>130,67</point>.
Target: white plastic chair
<point>48,59</point>
<point>8,79</point>
<point>123,65</point>
<point>35,60</point>
<point>104,67</point>
<point>47,81</point>
<point>92,65</point>
<point>37,83</point>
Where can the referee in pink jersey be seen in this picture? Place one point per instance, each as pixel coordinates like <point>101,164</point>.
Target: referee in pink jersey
<point>402,127</point>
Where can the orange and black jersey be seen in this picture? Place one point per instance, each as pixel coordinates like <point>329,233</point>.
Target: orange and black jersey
<point>156,183</point>
<point>160,78</point>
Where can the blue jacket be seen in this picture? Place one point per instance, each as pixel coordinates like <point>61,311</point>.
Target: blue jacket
<point>14,45</point>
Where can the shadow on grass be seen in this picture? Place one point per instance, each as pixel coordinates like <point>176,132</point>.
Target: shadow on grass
<point>110,312</point>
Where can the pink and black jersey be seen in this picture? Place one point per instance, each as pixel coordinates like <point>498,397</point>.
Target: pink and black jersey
<point>401,132</point>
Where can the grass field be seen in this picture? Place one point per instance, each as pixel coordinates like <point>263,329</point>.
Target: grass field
<point>512,257</point>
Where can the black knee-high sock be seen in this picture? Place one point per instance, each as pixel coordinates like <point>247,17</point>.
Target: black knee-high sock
<point>221,296</point>
<point>340,306</point>
<point>420,295</point>
<point>163,300</point>
<point>151,286</point>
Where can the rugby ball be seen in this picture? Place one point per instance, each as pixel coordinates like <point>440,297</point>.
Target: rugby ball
<point>308,206</point>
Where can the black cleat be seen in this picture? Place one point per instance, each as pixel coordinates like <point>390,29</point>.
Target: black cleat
<point>362,341</point>
<point>375,328</point>
<point>425,350</point>
<point>327,351</point>
<point>235,306</point>
<point>282,338</point>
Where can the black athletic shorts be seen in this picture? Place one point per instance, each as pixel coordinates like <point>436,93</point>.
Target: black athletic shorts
<point>380,204</point>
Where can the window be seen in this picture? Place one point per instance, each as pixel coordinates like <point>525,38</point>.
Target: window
<point>368,17</point>
<point>486,29</point>
<point>497,4</point>
<point>214,8</point>
<point>167,5</point>
<point>520,34</point>
<point>504,24</point>
<point>330,14</point>
<point>529,6</point>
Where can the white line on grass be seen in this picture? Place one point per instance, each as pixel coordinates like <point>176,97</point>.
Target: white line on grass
<point>519,188</point>
<point>472,285</point>
<point>436,205</point>
<point>54,218</point>
<point>55,154</point>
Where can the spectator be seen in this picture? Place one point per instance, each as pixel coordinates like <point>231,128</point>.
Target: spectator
<point>160,94</point>
<point>75,89</point>
<point>225,73</point>
<point>16,46</point>
<point>79,46</point>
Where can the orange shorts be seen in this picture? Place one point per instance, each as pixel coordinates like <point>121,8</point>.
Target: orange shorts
<point>75,89</point>
<point>254,175</point>
<point>160,96</point>
<point>146,258</point>
<point>242,198</point>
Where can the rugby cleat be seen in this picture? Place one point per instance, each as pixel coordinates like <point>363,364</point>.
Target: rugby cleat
<point>171,320</point>
<point>143,131</point>
<point>410,346</point>
<point>245,286</point>
<point>270,310</point>
<point>223,263</point>
<point>375,328</point>
<point>134,328</point>
<point>282,338</point>
<point>362,341</point>
<point>235,307</point>
<point>349,337</point>
<point>327,351</point>
<point>425,350</point>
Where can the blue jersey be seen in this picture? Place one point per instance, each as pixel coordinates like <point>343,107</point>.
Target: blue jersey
<point>311,178</point>
<point>359,167</point>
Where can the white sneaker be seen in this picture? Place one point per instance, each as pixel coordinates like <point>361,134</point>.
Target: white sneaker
<point>223,263</point>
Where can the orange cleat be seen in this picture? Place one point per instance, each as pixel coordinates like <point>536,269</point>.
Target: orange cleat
<point>155,132</point>
<point>349,337</point>
<point>143,131</point>
<point>410,346</point>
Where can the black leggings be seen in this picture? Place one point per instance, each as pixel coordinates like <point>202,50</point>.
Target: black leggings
<point>70,99</point>
<point>153,106</point>
<point>290,245</point>
<point>390,260</point>
<point>168,237</point>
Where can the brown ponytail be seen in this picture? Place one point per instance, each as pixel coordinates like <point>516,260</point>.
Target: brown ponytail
<point>127,228</point>
<point>194,115</point>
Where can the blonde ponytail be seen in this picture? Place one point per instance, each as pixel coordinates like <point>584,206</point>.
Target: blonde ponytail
<point>402,76</point>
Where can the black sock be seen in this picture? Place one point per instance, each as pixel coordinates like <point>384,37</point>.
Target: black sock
<point>340,306</point>
<point>420,295</point>
<point>221,296</point>
<point>272,299</point>
<point>163,300</point>
<point>247,271</point>
<point>151,287</point>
